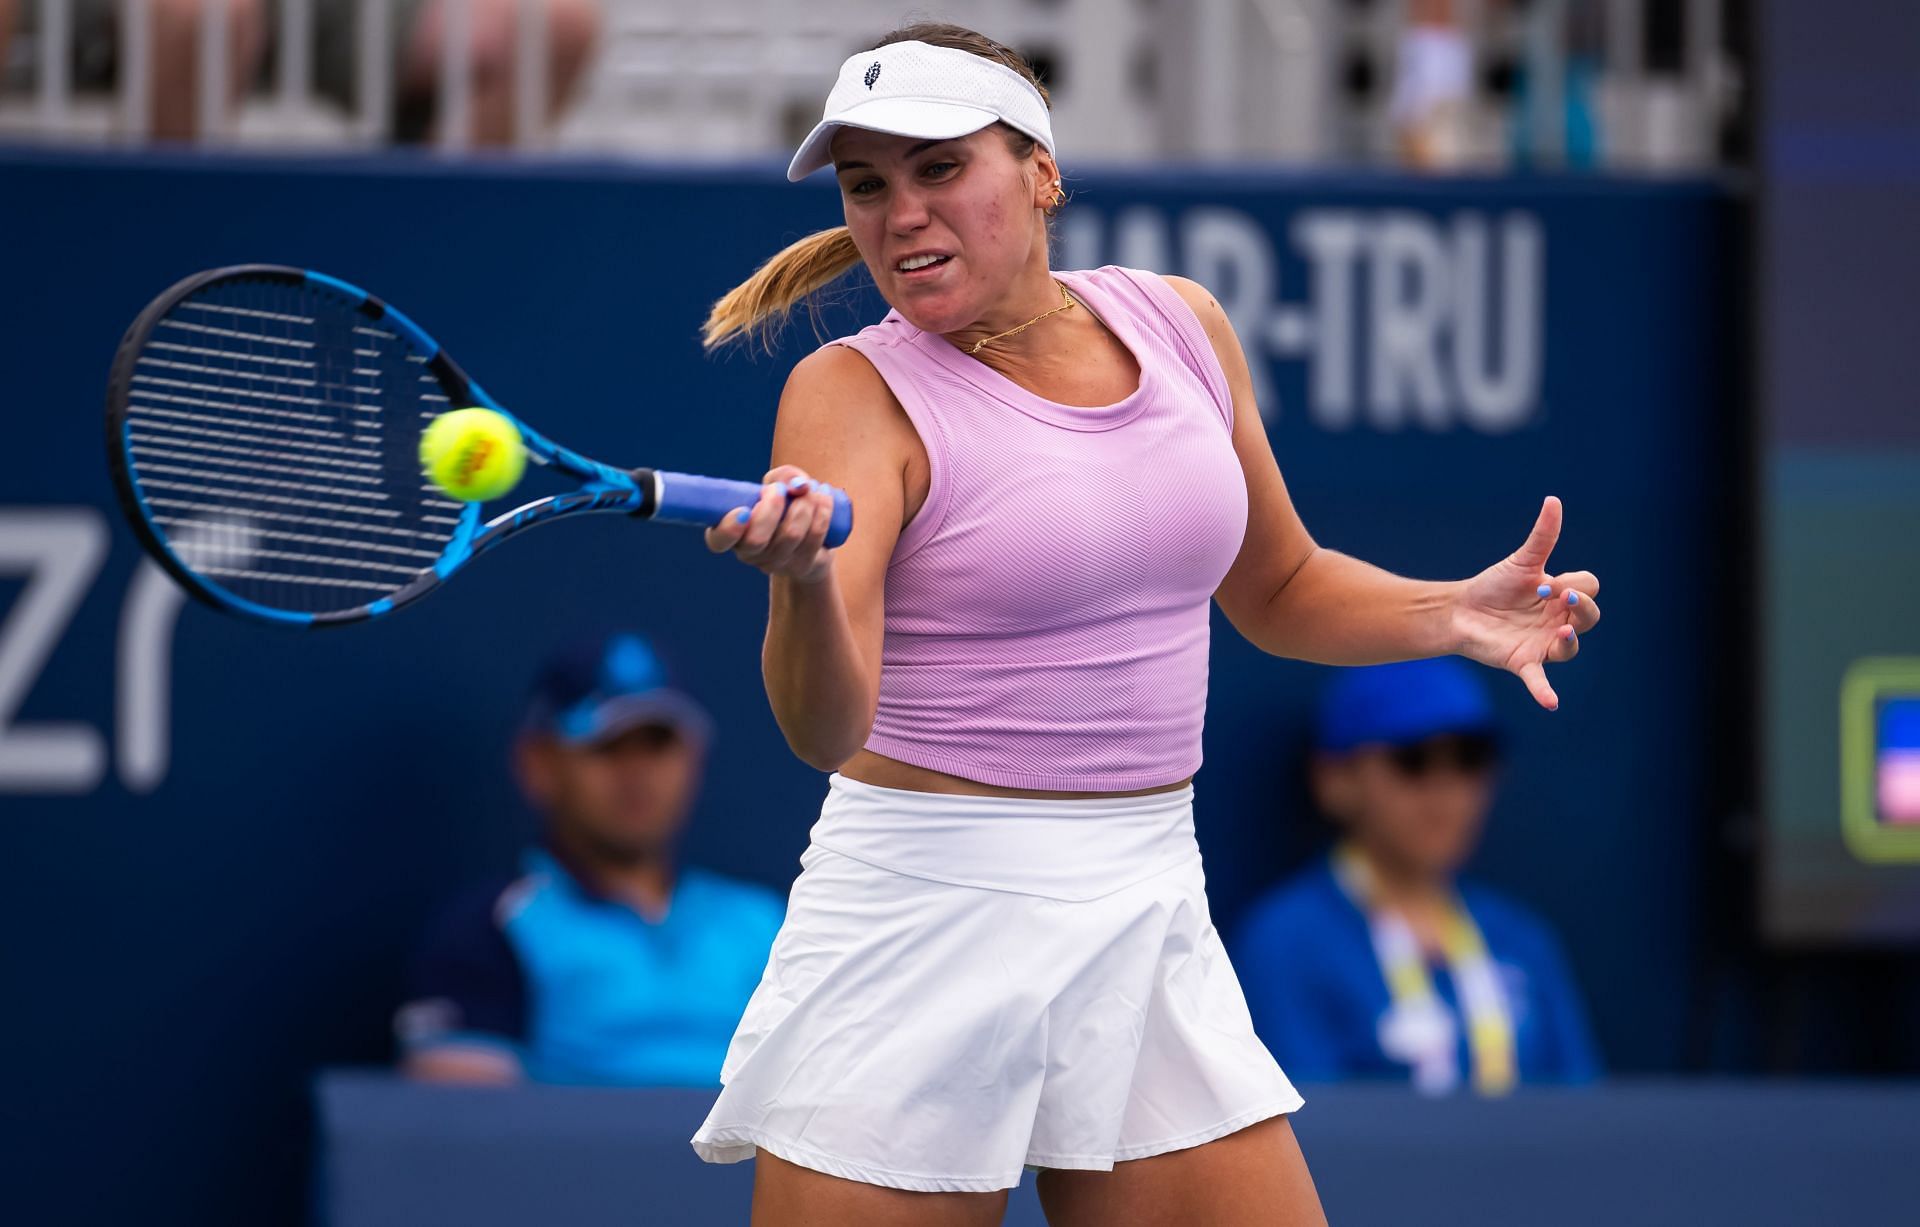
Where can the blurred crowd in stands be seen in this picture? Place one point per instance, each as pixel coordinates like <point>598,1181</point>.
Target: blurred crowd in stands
<point>1432,85</point>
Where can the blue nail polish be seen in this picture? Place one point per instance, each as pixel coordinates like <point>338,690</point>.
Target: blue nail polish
<point>1546,590</point>
<point>1573,598</point>
<point>742,516</point>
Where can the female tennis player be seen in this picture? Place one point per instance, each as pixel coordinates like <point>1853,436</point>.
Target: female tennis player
<point>998,954</point>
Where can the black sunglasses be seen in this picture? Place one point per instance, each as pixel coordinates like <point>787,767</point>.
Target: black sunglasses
<point>1466,753</point>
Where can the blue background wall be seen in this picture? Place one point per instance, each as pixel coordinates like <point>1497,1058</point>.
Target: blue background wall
<point>180,955</point>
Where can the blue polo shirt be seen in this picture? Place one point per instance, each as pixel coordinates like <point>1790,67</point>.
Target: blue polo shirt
<point>584,989</point>
<point>1305,958</point>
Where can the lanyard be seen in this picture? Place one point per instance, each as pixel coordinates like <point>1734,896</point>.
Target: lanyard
<point>1418,1028</point>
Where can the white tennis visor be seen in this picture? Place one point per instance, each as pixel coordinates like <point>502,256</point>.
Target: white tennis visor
<point>917,89</point>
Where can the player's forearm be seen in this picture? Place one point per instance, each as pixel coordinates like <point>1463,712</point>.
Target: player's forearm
<point>819,683</point>
<point>1338,610</point>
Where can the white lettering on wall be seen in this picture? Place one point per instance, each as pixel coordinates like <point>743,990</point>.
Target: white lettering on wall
<point>1408,320</point>
<point>58,550</point>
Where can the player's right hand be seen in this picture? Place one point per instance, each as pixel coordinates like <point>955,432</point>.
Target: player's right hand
<point>784,532</point>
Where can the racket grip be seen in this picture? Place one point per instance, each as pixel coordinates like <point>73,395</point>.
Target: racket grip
<point>687,499</point>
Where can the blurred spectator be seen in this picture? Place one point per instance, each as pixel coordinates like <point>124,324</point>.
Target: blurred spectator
<point>604,961</point>
<point>1555,116</point>
<point>416,40</point>
<point>1432,88</point>
<point>573,26</point>
<point>1557,122</point>
<point>175,31</point>
<point>1377,962</point>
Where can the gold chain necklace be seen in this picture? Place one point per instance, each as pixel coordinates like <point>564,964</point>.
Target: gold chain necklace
<point>1066,300</point>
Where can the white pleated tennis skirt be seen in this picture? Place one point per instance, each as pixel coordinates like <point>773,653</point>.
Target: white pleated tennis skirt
<point>968,986</point>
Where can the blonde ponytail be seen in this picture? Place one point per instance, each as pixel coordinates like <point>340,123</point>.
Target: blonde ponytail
<point>756,307</point>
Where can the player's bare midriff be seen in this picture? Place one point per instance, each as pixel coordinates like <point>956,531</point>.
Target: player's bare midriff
<point>883,772</point>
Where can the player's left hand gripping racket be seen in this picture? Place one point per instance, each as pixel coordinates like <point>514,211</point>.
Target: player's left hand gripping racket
<point>263,429</point>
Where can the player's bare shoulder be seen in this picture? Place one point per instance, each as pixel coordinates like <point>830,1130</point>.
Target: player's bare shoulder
<point>835,391</point>
<point>1213,320</point>
<point>838,370</point>
<point>1212,315</point>
<point>840,421</point>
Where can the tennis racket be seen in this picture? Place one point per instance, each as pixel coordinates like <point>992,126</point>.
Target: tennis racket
<point>263,432</point>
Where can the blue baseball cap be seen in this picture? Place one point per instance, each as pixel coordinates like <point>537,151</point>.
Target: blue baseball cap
<point>1402,704</point>
<point>598,688</point>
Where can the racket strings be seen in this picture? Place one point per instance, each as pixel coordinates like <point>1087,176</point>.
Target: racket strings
<point>273,432</point>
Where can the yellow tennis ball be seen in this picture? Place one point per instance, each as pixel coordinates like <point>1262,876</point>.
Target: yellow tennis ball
<point>473,454</point>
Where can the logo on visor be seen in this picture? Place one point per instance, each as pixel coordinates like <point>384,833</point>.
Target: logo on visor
<point>873,73</point>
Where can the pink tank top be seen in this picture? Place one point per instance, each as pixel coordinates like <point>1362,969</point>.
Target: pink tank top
<point>1047,608</point>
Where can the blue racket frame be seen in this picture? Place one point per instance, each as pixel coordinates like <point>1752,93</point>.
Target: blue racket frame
<point>651,494</point>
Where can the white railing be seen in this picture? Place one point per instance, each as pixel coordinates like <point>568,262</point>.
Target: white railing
<point>1216,79</point>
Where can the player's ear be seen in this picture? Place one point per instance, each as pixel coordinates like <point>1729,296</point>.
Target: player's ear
<point>1046,179</point>
<point>1330,778</point>
<point>533,767</point>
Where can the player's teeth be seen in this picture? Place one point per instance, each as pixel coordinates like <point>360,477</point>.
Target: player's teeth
<point>908,265</point>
